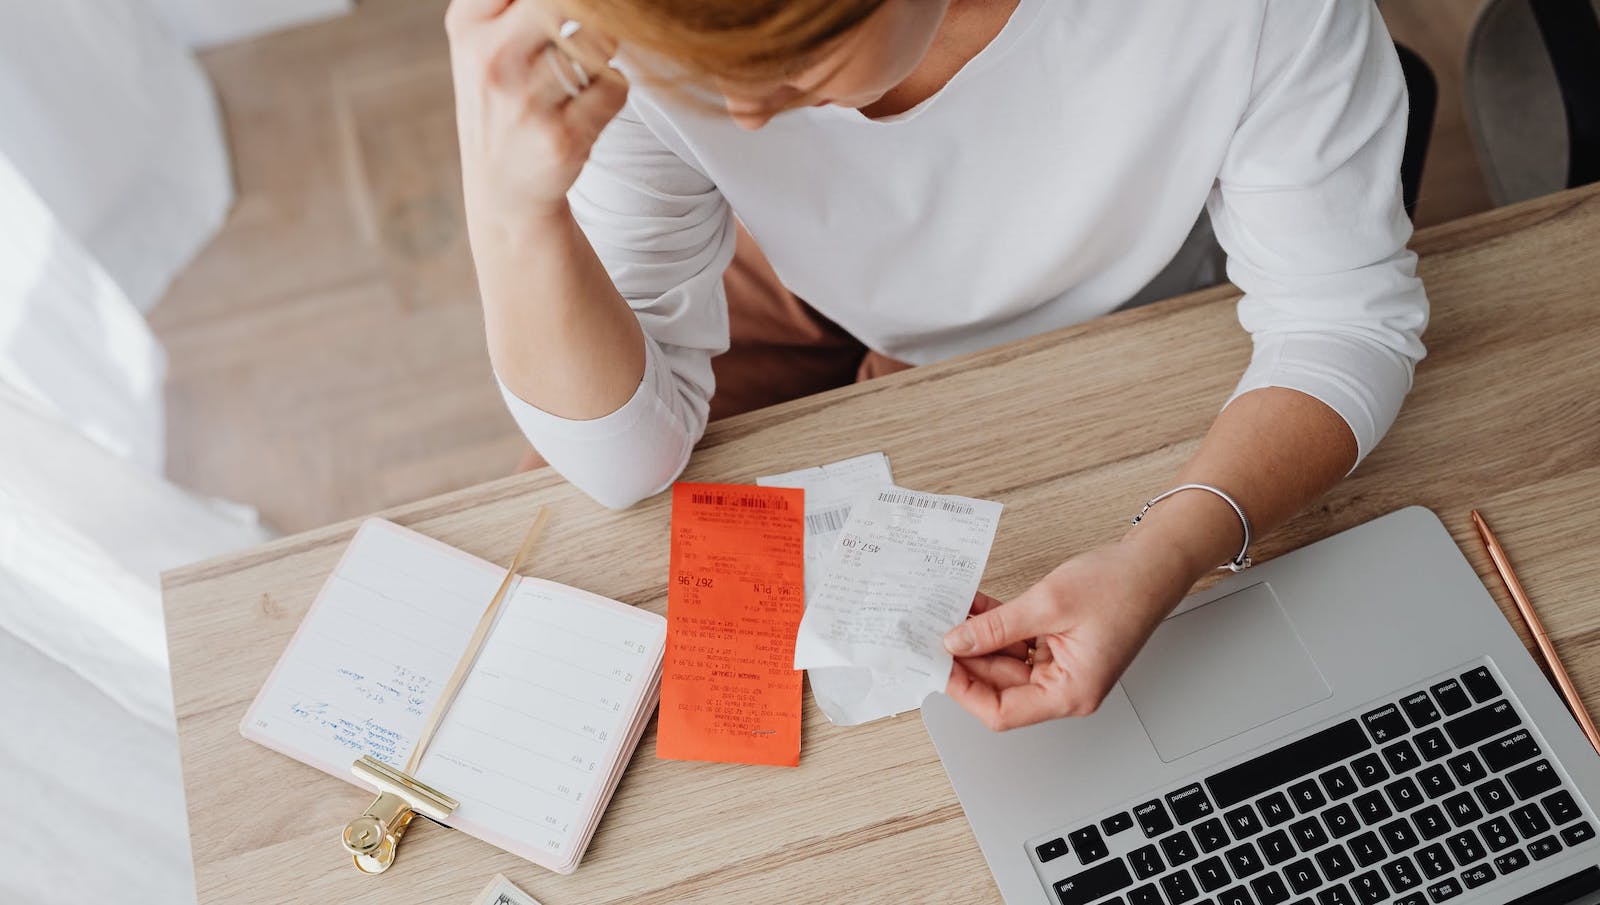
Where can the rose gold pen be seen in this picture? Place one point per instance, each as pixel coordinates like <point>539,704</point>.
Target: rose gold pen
<point>1547,649</point>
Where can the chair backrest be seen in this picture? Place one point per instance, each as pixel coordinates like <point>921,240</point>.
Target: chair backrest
<point>1532,90</point>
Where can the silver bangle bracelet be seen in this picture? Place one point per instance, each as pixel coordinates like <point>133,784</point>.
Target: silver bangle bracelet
<point>1238,563</point>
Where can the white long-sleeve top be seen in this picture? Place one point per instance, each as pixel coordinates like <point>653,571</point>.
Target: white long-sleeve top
<point>1046,184</point>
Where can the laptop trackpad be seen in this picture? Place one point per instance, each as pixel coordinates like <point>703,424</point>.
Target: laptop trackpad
<point>1220,669</point>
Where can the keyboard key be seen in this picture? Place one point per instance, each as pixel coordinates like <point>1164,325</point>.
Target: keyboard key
<point>1475,877</point>
<point>1146,862</point>
<point>1531,821</point>
<point>1338,783</point>
<point>1179,848</point>
<point>1275,809</point>
<point>1306,796</point>
<point>1366,849</point>
<point>1497,834</point>
<point>1242,820</point>
<point>1465,846</point>
<point>1543,848</point>
<point>1116,823</point>
<point>1463,809</point>
<point>1335,861</point>
<point>1144,895</point>
<point>1402,758</point>
<point>1276,847</point>
<point>1179,888</point>
<point>1336,895</point>
<point>1534,779</point>
<point>1451,696</point>
<point>1403,794</point>
<point>1419,709</point>
<point>1385,724</point>
<point>1466,768</point>
<point>1308,834</point>
<point>1483,723</point>
<point>1235,896</point>
<point>1211,873</point>
<point>1049,851</point>
<point>1210,835</point>
<point>1510,861</point>
<point>1340,820</point>
<point>1416,898</point>
<point>1434,861</point>
<point>1435,781</point>
<point>1269,889</point>
<point>1504,753</point>
<point>1370,769</point>
<point>1369,888</point>
<point>1095,883</point>
<point>1480,682</point>
<point>1431,822</point>
<point>1398,835</point>
<point>1189,803</point>
<point>1373,808</point>
<point>1444,889</point>
<point>1243,860</point>
<point>1578,833</point>
<point>1431,745</point>
<point>1284,765</point>
<point>1088,844</point>
<point>1302,876</point>
<point>1153,819</point>
<point>1560,807</point>
<point>1494,796</point>
<point>1401,875</point>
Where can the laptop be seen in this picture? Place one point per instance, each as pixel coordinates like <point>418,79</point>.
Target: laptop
<point>1353,723</point>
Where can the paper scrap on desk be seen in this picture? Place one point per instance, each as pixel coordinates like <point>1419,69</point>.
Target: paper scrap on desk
<point>829,491</point>
<point>902,573</point>
<point>735,595</point>
<point>501,891</point>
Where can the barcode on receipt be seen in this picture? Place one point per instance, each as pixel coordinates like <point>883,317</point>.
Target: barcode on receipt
<point>827,521</point>
<point>923,502</point>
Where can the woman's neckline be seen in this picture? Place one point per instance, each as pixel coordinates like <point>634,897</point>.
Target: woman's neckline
<point>1021,17</point>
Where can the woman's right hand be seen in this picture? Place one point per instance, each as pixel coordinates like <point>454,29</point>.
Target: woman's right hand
<point>524,137</point>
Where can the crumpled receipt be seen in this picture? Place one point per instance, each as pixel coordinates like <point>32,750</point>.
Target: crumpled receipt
<point>902,572</point>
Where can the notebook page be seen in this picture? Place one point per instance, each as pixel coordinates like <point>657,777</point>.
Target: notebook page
<point>529,745</point>
<point>368,661</point>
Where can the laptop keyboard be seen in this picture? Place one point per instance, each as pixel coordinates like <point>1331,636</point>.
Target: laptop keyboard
<point>1413,800</point>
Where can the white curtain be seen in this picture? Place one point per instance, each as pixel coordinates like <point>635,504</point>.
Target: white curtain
<point>113,172</point>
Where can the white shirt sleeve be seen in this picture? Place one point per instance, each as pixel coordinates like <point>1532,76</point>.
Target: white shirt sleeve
<point>1309,210</point>
<point>665,235</point>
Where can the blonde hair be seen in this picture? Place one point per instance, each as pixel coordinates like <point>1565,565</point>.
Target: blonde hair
<point>748,42</point>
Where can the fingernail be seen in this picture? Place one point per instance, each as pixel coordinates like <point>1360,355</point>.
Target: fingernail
<point>960,639</point>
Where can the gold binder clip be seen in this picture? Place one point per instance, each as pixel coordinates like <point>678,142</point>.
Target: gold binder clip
<point>374,837</point>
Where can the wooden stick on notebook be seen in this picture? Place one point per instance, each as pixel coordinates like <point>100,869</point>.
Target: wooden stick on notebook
<point>447,695</point>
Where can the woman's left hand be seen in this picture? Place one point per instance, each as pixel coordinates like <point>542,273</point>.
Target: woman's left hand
<point>1087,619</point>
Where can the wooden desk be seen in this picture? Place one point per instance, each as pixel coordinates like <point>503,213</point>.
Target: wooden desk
<point>1071,431</point>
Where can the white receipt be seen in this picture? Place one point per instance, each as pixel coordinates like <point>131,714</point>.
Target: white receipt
<point>501,891</point>
<point>829,492</point>
<point>902,572</point>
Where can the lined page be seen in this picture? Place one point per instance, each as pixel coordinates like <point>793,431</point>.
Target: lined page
<point>529,745</point>
<point>368,662</point>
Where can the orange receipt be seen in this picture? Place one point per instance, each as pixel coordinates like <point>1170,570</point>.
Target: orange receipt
<point>735,595</point>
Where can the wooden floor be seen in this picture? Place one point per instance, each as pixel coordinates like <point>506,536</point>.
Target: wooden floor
<point>326,351</point>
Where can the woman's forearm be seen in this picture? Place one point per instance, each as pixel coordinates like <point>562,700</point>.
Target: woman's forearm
<point>559,334</point>
<point>1274,450</point>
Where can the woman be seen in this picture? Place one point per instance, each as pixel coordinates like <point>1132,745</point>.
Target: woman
<point>934,177</point>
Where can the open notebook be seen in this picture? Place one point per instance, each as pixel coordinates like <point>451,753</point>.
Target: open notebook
<point>538,737</point>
